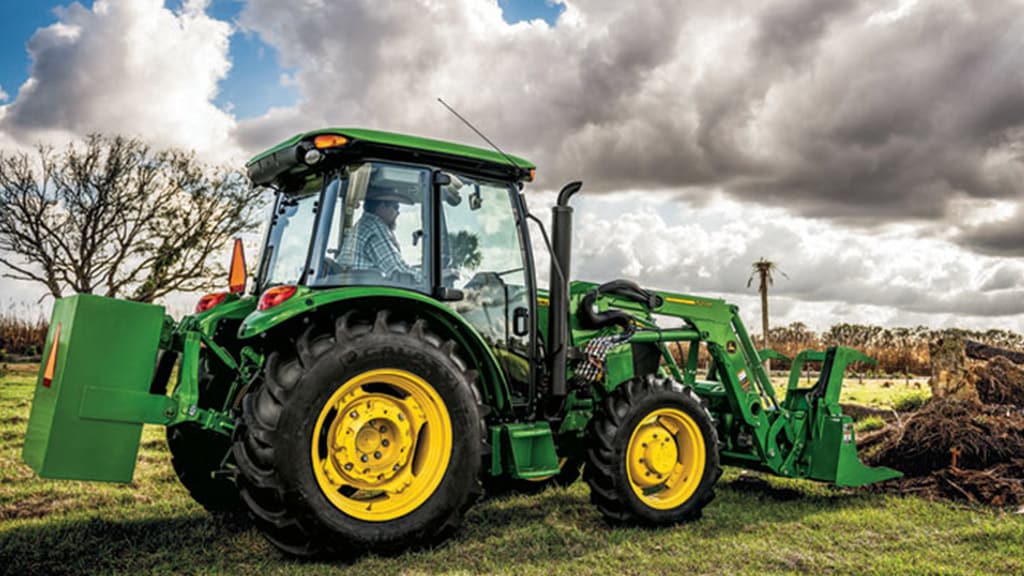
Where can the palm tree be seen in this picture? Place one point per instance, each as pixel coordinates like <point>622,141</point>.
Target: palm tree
<point>764,270</point>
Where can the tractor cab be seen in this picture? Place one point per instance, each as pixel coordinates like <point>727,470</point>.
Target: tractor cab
<point>355,209</point>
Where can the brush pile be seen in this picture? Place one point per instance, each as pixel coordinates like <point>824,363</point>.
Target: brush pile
<point>967,441</point>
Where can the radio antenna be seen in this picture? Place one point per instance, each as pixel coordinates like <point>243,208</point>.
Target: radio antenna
<point>480,134</point>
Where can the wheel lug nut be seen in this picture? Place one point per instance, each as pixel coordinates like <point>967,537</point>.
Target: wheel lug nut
<point>401,417</point>
<point>383,429</point>
<point>395,468</point>
<point>376,455</point>
<point>385,443</point>
<point>365,458</point>
<point>348,466</point>
<point>354,414</point>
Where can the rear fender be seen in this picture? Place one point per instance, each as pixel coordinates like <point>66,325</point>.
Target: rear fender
<point>306,301</point>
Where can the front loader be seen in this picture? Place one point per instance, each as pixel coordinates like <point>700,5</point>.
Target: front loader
<point>394,359</point>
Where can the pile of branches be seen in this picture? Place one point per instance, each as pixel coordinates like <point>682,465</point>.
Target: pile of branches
<point>963,446</point>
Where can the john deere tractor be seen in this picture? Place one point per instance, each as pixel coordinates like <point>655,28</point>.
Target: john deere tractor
<point>394,359</point>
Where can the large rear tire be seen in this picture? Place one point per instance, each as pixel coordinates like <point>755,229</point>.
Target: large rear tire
<point>652,455</point>
<point>365,436</point>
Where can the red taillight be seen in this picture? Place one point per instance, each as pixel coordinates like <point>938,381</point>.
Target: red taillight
<point>210,300</point>
<point>275,296</point>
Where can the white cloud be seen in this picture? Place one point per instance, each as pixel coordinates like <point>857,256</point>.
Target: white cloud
<point>867,147</point>
<point>834,274</point>
<point>130,67</point>
<point>3,95</point>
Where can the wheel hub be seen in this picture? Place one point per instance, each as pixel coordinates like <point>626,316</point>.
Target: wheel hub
<point>655,454</point>
<point>373,440</point>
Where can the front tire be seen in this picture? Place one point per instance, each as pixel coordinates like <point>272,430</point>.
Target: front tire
<point>365,436</point>
<point>652,455</point>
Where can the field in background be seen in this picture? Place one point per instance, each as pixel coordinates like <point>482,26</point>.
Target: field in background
<point>757,525</point>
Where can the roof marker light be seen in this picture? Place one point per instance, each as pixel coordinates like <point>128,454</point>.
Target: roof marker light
<point>329,141</point>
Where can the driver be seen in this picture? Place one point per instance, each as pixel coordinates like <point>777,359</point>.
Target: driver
<point>376,247</point>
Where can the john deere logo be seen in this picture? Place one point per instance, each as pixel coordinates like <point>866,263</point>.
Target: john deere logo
<point>730,346</point>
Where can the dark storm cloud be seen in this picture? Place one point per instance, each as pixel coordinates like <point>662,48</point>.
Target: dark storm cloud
<point>864,112</point>
<point>1004,238</point>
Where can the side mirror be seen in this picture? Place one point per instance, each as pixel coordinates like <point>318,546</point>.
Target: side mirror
<point>416,237</point>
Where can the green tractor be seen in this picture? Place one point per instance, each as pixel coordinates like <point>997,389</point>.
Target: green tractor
<point>395,359</point>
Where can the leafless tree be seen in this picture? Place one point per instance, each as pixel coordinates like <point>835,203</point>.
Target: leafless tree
<point>111,216</point>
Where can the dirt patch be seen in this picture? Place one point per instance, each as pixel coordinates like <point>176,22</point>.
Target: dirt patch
<point>755,485</point>
<point>36,507</point>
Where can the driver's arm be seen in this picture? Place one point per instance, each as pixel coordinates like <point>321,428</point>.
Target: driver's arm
<point>388,259</point>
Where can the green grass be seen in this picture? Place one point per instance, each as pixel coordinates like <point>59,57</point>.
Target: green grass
<point>886,393</point>
<point>757,525</point>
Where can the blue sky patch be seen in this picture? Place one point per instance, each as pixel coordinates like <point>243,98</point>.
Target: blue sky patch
<point>252,86</point>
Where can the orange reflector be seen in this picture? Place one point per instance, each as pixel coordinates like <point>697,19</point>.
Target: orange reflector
<point>236,280</point>
<point>275,296</point>
<point>533,175</point>
<point>51,361</point>
<point>329,141</point>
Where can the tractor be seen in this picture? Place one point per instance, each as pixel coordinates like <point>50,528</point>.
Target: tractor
<point>394,359</point>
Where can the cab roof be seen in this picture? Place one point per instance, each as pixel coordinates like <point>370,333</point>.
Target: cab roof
<point>286,157</point>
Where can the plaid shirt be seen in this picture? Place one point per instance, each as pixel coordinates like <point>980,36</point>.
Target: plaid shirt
<point>371,245</point>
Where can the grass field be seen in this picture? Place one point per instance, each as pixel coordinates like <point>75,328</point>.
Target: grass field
<point>757,525</point>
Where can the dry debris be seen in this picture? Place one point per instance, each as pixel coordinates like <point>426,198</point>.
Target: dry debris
<point>959,446</point>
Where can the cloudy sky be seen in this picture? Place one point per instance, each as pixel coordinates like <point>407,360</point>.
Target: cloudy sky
<point>875,150</point>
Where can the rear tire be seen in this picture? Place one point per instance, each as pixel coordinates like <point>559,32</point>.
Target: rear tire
<point>652,455</point>
<point>365,436</point>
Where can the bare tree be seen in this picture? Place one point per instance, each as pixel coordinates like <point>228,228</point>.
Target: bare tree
<point>764,270</point>
<point>111,216</point>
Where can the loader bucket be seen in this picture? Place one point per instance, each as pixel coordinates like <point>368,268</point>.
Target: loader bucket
<point>94,378</point>
<point>832,446</point>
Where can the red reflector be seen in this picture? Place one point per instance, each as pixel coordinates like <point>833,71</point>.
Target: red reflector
<point>275,296</point>
<point>210,300</point>
<point>51,360</point>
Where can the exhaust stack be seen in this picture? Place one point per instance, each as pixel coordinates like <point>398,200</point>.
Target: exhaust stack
<point>558,311</point>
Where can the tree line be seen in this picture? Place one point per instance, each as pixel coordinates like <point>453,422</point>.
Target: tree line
<point>898,350</point>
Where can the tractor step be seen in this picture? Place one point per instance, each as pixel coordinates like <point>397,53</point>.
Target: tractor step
<point>523,450</point>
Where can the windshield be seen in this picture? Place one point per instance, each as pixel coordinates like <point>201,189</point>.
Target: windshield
<point>290,231</point>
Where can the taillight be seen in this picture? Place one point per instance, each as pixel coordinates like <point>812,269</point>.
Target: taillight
<point>275,296</point>
<point>210,300</point>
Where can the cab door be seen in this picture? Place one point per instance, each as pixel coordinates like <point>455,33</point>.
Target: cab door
<point>482,255</point>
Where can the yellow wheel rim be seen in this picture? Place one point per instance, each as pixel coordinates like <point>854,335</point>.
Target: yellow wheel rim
<point>665,458</point>
<point>381,445</point>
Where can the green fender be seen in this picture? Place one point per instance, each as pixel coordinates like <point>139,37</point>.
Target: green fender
<point>306,301</point>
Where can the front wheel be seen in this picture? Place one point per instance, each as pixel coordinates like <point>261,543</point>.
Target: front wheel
<point>652,455</point>
<point>366,436</point>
